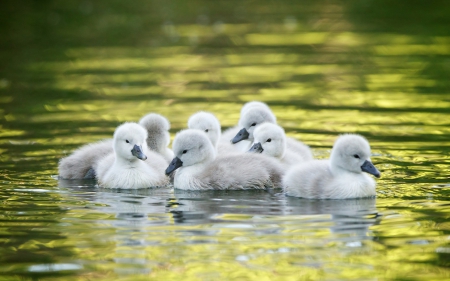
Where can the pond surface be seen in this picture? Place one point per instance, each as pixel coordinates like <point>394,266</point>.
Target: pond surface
<point>71,71</point>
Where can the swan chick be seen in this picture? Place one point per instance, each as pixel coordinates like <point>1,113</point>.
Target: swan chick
<point>158,139</point>
<point>343,176</point>
<point>251,118</point>
<point>270,140</point>
<point>128,167</point>
<point>199,169</point>
<point>209,124</point>
<point>79,164</point>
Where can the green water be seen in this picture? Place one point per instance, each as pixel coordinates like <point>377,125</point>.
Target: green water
<point>71,71</point>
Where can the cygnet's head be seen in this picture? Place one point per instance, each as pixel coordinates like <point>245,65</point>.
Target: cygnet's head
<point>207,123</point>
<point>251,104</point>
<point>269,139</point>
<point>157,127</point>
<point>130,142</point>
<point>190,147</point>
<point>250,119</point>
<point>352,153</point>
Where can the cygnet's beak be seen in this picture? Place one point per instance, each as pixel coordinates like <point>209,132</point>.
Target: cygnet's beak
<point>256,148</point>
<point>241,135</point>
<point>137,152</point>
<point>368,167</point>
<point>175,164</point>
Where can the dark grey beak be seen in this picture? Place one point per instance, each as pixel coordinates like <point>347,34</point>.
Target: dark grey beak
<point>256,148</point>
<point>175,164</point>
<point>137,152</point>
<point>241,135</point>
<point>368,167</point>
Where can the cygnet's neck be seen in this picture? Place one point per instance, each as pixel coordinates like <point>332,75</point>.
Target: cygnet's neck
<point>127,163</point>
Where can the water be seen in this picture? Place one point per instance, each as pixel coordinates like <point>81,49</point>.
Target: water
<point>70,73</point>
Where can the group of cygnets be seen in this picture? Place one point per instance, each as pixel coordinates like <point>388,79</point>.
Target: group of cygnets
<point>255,154</point>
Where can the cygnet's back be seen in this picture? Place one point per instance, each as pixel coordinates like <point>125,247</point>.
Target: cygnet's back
<point>208,123</point>
<point>158,139</point>
<point>199,169</point>
<point>79,164</point>
<point>132,165</point>
<point>342,177</point>
<point>270,140</point>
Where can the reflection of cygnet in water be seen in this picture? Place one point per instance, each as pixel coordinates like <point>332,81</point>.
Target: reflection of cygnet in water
<point>343,176</point>
<point>270,140</point>
<point>350,216</point>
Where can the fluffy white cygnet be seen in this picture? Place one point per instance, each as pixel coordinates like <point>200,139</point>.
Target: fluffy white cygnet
<point>79,164</point>
<point>270,140</point>
<point>251,117</point>
<point>157,127</point>
<point>208,123</point>
<point>229,134</point>
<point>132,165</point>
<point>199,169</point>
<point>343,176</point>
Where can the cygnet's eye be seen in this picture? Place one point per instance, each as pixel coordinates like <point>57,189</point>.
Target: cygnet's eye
<point>206,130</point>
<point>184,151</point>
<point>254,124</point>
<point>356,156</point>
<point>127,141</point>
<point>268,140</point>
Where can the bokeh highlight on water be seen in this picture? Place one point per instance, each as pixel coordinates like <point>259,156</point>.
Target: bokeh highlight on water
<point>71,72</point>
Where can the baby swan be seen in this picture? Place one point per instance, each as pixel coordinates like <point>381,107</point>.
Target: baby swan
<point>270,140</point>
<point>340,177</point>
<point>199,169</point>
<point>126,168</point>
<point>79,164</point>
<point>230,133</point>
<point>209,124</point>
<point>157,127</point>
<point>251,118</point>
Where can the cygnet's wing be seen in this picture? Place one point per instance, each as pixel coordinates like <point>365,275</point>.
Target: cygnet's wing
<point>294,146</point>
<point>243,171</point>
<point>77,165</point>
<point>308,180</point>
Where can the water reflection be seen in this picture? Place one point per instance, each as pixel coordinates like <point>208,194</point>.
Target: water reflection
<point>144,219</point>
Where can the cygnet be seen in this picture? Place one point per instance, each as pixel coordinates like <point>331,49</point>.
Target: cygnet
<point>251,118</point>
<point>79,164</point>
<point>209,124</point>
<point>158,127</point>
<point>230,133</point>
<point>343,176</point>
<point>270,140</point>
<point>128,167</point>
<point>199,169</point>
